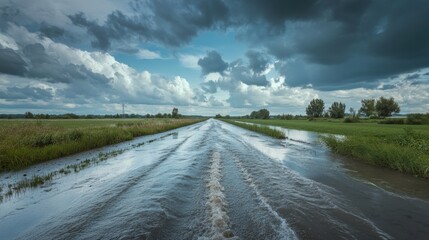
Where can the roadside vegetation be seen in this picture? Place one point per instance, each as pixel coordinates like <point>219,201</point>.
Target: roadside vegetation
<point>9,190</point>
<point>401,147</point>
<point>260,129</point>
<point>400,143</point>
<point>27,142</point>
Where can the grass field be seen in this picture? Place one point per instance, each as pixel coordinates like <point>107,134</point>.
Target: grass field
<point>27,142</point>
<point>401,147</point>
<point>363,128</point>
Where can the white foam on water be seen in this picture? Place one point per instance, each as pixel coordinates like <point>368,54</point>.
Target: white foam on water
<point>219,219</point>
<point>285,232</point>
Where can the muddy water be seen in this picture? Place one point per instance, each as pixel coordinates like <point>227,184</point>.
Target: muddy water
<point>213,180</point>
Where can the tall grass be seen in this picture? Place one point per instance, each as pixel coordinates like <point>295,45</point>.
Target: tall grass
<point>382,152</point>
<point>24,143</point>
<point>260,129</point>
<point>394,146</point>
<point>362,128</point>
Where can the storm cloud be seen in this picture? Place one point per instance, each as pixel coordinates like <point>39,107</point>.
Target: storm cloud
<point>344,41</point>
<point>173,23</point>
<point>212,63</point>
<point>257,61</point>
<point>288,46</point>
<point>27,92</point>
<point>80,77</point>
<point>11,62</point>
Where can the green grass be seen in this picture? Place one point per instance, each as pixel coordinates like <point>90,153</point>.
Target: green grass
<point>333,126</point>
<point>401,147</point>
<point>260,129</point>
<point>27,142</point>
<point>37,180</point>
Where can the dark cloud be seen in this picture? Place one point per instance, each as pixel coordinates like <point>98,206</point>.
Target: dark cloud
<point>212,63</point>
<point>8,14</point>
<point>51,31</point>
<point>209,87</point>
<point>403,33</point>
<point>36,54</point>
<point>85,84</point>
<point>240,73</point>
<point>81,82</point>
<point>257,61</point>
<point>28,92</point>
<point>45,67</point>
<point>413,76</point>
<point>328,44</point>
<point>11,62</point>
<point>237,73</point>
<point>343,43</point>
<point>101,33</point>
<point>172,22</point>
<point>274,12</point>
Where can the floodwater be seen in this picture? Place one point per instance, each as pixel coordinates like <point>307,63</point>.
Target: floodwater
<point>213,180</point>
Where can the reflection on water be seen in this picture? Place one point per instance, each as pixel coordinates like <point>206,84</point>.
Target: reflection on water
<point>302,136</point>
<point>215,179</point>
<point>274,151</point>
<point>387,179</point>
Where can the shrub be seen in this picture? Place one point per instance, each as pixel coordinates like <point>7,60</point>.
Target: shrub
<point>417,119</point>
<point>75,135</point>
<point>43,140</point>
<point>392,121</point>
<point>351,120</point>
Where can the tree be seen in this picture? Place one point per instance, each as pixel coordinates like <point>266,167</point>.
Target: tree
<point>337,110</point>
<point>264,114</point>
<point>261,114</point>
<point>175,113</point>
<point>315,108</point>
<point>28,115</point>
<point>385,107</point>
<point>368,107</point>
<point>254,114</point>
<point>352,112</point>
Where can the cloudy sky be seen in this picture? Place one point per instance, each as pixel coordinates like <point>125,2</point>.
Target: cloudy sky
<point>209,57</point>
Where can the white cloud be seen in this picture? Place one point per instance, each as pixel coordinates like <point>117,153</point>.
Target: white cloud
<point>7,42</point>
<point>140,90</point>
<point>189,61</point>
<point>126,83</point>
<point>147,54</point>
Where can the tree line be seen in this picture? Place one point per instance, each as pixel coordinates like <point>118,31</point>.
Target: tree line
<point>380,108</point>
<point>29,115</point>
<point>374,108</point>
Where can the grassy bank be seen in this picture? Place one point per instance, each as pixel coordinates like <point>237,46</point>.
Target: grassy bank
<point>27,142</point>
<point>401,147</point>
<point>260,129</point>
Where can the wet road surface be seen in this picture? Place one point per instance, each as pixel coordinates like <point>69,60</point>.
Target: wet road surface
<point>213,180</point>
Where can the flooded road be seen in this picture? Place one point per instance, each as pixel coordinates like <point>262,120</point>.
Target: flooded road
<point>213,180</point>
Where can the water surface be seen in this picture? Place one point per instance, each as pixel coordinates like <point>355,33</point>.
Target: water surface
<point>214,180</point>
